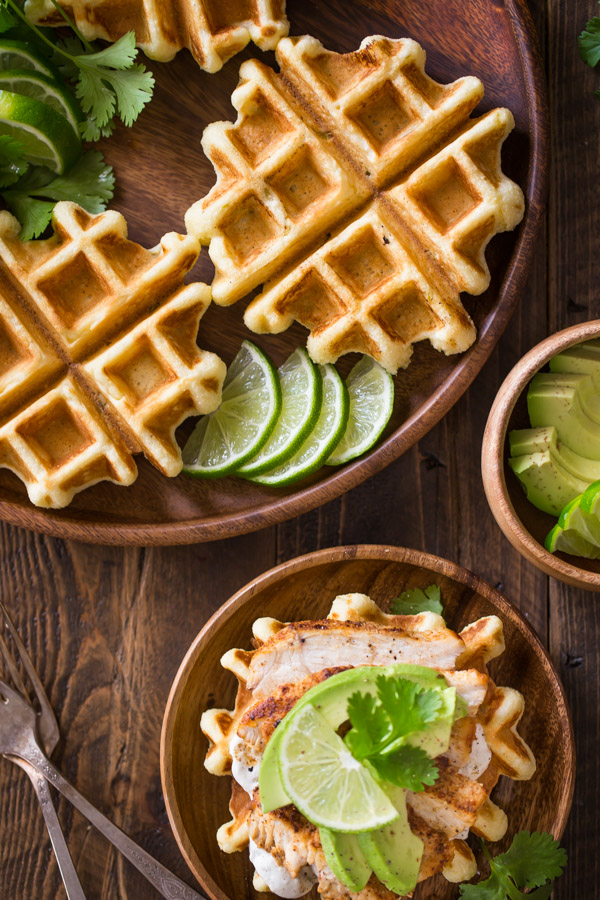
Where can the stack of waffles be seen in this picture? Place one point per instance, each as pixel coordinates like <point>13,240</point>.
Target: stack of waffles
<point>288,660</point>
<point>361,191</point>
<point>98,354</point>
<point>213,30</point>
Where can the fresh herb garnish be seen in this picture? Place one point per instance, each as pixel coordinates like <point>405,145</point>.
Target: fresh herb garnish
<point>415,601</point>
<point>381,724</point>
<point>107,81</point>
<point>90,182</point>
<point>589,44</point>
<point>532,861</point>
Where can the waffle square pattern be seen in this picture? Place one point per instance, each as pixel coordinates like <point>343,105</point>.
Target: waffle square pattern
<point>213,30</point>
<point>98,353</point>
<point>361,193</point>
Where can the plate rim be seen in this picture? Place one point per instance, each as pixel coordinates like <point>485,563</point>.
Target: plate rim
<point>349,552</point>
<point>278,508</point>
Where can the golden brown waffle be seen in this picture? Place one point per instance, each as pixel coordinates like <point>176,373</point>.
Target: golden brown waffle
<point>99,357</point>
<point>362,193</point>
<point>213,30</point>
<point>497,710</point>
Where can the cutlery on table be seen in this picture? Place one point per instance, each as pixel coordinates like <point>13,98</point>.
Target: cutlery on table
<point>19,742</point>
<point>49,735</point>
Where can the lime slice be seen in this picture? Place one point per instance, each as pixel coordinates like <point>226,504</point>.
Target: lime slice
<point>250,405</point>
<point>570,541</point>
<point>343,796</point>
<point>40,87</point>
<point>47,138</point>
<point>301,394</point>
<point>19,55</point>
<point>371,391</point>
<point>324,437</point>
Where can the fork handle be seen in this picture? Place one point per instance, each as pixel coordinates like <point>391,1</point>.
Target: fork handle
<point>167,884</point>
<point>63,857</point>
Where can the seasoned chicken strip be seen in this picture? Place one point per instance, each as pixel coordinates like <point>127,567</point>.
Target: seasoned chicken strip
<point>303,648</point>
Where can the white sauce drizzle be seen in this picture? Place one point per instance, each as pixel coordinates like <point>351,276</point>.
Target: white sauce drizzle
<point>277,877</point>
<point>246,776</point>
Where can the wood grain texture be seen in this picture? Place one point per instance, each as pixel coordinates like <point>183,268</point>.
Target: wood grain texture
<point>74,604</point>
<point>304,588</point>
<point>161,170</point>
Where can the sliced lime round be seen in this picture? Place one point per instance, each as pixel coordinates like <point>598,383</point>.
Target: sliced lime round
<point>19,55</point>
<point>371,391</point>
<point>572,542</point>
<point>344,797</point>
<point>45,89</point>
<point>301,395</point>
<point>326,434</point>
<point>47,137</point>
<point>250,405</point>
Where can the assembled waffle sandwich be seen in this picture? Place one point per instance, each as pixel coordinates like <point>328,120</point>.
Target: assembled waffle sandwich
<point>213,30</point>
<point>315,774</point>
<point>359,191</point>
<point>98,353</point>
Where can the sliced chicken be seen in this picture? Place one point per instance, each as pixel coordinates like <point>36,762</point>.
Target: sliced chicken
<point>303,648</point>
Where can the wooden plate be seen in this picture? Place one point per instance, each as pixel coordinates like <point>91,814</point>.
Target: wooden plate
<point>197,802</point>
<point>525,526</point>
<point>161,170</point>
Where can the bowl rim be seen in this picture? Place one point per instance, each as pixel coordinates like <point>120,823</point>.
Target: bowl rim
<point>278,507</point>
<point>493,469</point>
<point>350,552</point>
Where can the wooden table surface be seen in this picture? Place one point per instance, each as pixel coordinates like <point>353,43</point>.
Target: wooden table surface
<point>108,627</point>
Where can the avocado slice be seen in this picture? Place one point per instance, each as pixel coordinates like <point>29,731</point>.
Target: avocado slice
<point>331,699</point>
<point>394,852</point>
<point>584,386</point>
<point>534,440</point>
<point>583,359</point>
<point>561,405</point>
<point>345,858</point>
<point>548,485</point>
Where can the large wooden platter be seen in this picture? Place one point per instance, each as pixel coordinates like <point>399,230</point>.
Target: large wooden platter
<point>161,169</point>
<point>303,588</point>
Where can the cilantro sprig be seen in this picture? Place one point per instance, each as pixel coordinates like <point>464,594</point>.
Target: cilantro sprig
<point>415,601</point>
<point>108,82</point>
<point>90,182</point>
<point>380,726</point>
<point>589,44</point>
<point>532,861</point>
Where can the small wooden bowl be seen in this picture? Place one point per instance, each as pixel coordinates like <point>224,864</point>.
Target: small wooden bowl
<point>303,588</point>
<point>525,526</point>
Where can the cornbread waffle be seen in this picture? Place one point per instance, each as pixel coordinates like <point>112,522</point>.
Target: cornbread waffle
<point>212,30</point>
<point>439,814</point>
<point>361,191</point>
<point>99,358</point>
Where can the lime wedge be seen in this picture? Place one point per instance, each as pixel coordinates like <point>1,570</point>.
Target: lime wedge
<point>570,541</point>
<point>329,787</point>
<point>19,55</point>
<point>250,405</point>
<point>324,437</point>
<point>371,391</point>
<point>301,395</point>
<point>47,137</point>
<point>40,87</point>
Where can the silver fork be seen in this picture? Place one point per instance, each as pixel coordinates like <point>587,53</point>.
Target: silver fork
<point>49,736</point>
<point>18,738</point>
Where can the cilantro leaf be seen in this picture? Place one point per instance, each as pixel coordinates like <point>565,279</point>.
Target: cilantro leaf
<point>33,214</point>
<point>90,183</point>
<point>533,858</point>
<point>589,42</point>
<point>415,601</point>
<point>119,55</point>
<point>409,706</point>
<point>370,725</point>
<point>12,164</point>
<point>408,767</point>
<point>6,19</point>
